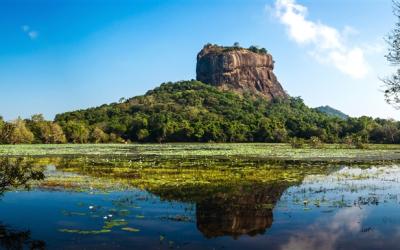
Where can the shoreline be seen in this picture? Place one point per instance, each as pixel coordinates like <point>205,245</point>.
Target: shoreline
<point>329,153</point>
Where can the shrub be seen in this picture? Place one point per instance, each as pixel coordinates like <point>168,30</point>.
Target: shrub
<point>257,50</point>
<point>315,142</point>
<point>359,143</point>
<point>355,142</point>
<point>297,142</point>
<point>347,141</point>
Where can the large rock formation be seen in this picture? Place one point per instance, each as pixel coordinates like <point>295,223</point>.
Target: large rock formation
<point>239,69</point>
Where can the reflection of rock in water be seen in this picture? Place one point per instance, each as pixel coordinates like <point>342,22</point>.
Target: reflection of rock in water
<point>248,211</point>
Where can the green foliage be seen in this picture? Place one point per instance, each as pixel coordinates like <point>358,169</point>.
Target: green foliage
<point>315,142</point>
<point>19,133</point>
<point>236,46</point>
<point>14,173</point>
<point>355,141</point>
<point>190,111</point>
<point>76,131</point>
<point>98,136</point>
<point>258,50</point>
<point>45,131</point>
<point>5,132</point>
<point>359,142</point>
<point>392,82</point>
<point>297,142</point>
<point>57,134</point>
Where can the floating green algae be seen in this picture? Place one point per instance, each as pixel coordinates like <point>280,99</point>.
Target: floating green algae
<point>114,223</point>
<point>86,232</point>
<point>130,229</point>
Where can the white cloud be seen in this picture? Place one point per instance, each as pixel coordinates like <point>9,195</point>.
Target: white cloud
<point>326,234</point>
<point>326,43</point>
<point>373,48</point>
<point>32,34</point>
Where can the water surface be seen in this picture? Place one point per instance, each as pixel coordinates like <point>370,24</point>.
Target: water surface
<point>85,204</point>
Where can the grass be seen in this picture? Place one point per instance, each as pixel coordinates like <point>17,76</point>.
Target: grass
<point>265,151</point>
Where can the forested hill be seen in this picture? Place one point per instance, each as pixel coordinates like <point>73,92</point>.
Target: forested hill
<point>192,111</point>
<point>331,111</point>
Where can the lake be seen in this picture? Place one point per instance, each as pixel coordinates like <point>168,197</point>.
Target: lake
<point>196,203</point>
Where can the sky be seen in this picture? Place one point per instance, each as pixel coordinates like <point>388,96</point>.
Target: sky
<point>64,55</point>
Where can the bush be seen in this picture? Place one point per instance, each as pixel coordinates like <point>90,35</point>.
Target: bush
<point>297,142</point>
<point>315,142</point>
<point>347,142</point>
<point>258,50</point>
<point>355,142</point>
<point>359,143</point>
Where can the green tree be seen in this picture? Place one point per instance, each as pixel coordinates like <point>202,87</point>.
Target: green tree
<point>143,134</point>
<point>57,134</point>
<point>193,111</point>
<point>37,118</point>
<point>116,139</point>
<point>6,130</point>
<point>45,131</point>
<point>98,136</point>
<point>76,132</point>
<point>392,83</point>
<point>20,134</point>
<point>391,131</point>
<point>2,125</point>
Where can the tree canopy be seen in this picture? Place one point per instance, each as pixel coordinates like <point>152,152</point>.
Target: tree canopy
<point>191,111</point>
<point>392,82</point>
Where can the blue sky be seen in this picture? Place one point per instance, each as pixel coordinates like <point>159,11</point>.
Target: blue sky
<point>62,55</point>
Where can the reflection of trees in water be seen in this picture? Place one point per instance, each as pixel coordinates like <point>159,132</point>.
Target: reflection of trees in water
<point>16,173</point>
<point>224,206</point>
<point>248,211</point>
<point>14,239</point>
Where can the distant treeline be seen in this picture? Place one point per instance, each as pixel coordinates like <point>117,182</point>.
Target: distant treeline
<point>191,111</point>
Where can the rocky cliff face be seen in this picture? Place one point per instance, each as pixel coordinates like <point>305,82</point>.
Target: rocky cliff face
<point>239,69</point>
